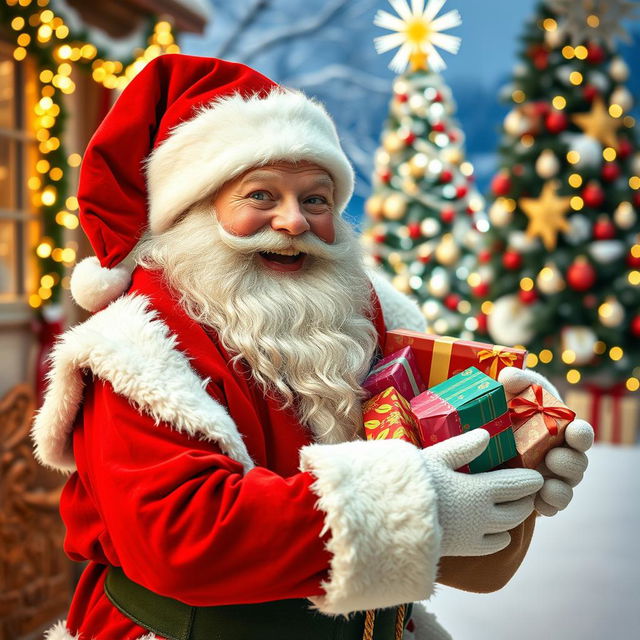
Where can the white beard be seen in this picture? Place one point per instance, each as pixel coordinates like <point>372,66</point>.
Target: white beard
<point>306,336</point>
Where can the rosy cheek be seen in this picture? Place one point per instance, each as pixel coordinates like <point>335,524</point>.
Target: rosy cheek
<point>244,223</point>
<point>324,228</point>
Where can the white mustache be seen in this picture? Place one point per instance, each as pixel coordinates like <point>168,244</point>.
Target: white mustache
<point>268,240</point>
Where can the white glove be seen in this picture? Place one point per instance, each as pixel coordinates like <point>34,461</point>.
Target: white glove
<point>476,511</point>
<point>563,467</point>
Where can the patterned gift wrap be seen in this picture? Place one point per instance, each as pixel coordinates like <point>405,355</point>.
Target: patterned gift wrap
<point>539,420</point>
<point>398,370</point>
<point>388,415</point>
<point>469,400</point>
<point>440,357</point>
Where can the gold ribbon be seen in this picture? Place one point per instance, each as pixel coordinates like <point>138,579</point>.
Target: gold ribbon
<point>440,359</point>
<point>498,355</point>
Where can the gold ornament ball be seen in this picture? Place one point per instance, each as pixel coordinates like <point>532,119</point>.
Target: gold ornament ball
<point>550,280</point>
<point>439,285</point>
<point>619,70</point>
<point>547,164</point>
<point>611,313</point>
<point>624,215</point>
<point>401,283</point>
<point>395,206</point>
<point>453,155</point>
<point>554,38</point>
<point>392,142</point>
<point>418,165</point>
<point>447,252</point>
<point>515,124</point>
<point>373,206</point>
<point>499,215</point>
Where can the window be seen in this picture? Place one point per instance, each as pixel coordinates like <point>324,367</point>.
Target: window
<point>19,226</point>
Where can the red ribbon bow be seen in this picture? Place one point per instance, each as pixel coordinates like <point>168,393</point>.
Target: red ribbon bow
<point>522,409</point>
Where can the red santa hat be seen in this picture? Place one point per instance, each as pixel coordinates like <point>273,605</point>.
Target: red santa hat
<point>183,127</point>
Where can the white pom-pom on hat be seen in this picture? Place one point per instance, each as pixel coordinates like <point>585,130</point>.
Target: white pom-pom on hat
<point>93,286</point>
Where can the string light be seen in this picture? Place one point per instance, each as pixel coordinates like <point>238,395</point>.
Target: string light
<point>616,353</point>
<point>609,154</point>
<point>546,356</point>
<point>575,180</point>
<point>573,376</point>
<point>532,360</point>
<point>633,384</point>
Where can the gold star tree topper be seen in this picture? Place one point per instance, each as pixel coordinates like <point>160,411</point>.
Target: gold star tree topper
<point>598,124</point>
<point>418,33</point>
<point>546,214</point>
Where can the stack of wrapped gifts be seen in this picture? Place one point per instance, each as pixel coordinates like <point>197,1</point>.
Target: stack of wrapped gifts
<point>429,388</point>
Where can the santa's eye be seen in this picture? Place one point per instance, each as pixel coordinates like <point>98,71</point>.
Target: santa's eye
<point>316,200</point>
<point>260,196</point>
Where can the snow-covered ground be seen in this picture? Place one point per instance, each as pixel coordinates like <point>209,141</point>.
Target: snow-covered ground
<point>581,577</point>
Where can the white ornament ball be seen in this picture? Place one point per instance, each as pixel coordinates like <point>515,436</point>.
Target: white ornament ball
<point>579,229</point>
<point>624,215</point>
<point>511,321</point>
<point>554,38</point>
<point>619,70</point>
<point>611,313</point>
<point>600,81</point>
<point>447,252</point>
<point>439,283</point>
<point>606,251</point>
<point>499,215</point>
<point>547,164</point>
<point>622,97</point>
<point>401,283</point>
<point>589,149</point>
<point>580,340</point>
<point>523,243</point>
<point>515,124</point>
<point>431,310</point>
<point>430,227</point>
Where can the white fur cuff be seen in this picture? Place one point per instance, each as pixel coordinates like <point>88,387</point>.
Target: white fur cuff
<point>59,631</point>
<point>382,512</point>
<point>93,287</point>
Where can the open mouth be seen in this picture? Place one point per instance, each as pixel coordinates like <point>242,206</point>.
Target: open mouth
<point>287,260</point>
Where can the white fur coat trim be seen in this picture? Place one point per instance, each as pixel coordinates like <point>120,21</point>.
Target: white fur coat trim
<point>382,512</point>
<point>234,134</point>
<point>59,631</point>
<point>129,346</point>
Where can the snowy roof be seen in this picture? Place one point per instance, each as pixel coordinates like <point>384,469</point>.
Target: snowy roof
<point>201,7</point>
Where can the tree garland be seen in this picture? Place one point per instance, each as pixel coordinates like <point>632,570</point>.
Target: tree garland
<point>57,51</point>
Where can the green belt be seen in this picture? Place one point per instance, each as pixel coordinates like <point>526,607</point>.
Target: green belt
<point>277,620</point>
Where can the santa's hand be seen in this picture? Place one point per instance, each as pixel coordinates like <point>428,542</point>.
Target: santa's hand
<point>563,469</point>
<point>564,466</point>
<point>476,511</point>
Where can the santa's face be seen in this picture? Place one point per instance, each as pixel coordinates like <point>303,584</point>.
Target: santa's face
<point>291,199</point>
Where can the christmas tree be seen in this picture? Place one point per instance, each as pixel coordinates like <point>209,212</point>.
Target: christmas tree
<point>424,203</point>
<point>562,257</point>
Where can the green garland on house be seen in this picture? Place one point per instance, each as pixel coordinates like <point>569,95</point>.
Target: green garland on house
<point>57,51</point>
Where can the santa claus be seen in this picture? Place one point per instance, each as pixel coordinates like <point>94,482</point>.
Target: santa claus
<point>209,411</point>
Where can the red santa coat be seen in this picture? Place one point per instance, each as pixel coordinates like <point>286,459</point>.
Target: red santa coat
<point>204,490</point>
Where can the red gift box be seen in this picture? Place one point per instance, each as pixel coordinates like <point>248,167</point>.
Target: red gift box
<point>441,357</point>
<point>398,370</point>
<point>387,416</point>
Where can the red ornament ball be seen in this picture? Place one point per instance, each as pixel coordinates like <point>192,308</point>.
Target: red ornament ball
<point>445,176</point>
<point>593,195</point>
<point>385,175</point>
<point>527,297</point>
<point>484,256</point>
<point>480,290</point>
<point>611,171</point>
<point>581,276</point>
<point>447,215</point>
<point>452,301</point>
<point>379,238</point>
<point>517,169</point>
<point>633,261</point>
<point>511,260</point>
<point>556,121</point>
<point>461,191</point>
<point>604,229</point>
<point>636,199</point>
<point>481,319</point>
<point>438,126</point>
<point>402,97</point>
<point>453,136</point>
<point>501,184</point>
<point>625,148</point>
<point>541,108</point>
<point>414,230</point>
<point>635,326</point>
<point>410,138</point>
<point>437,97</point>
<point>589,92</point>
<point>595,53</point>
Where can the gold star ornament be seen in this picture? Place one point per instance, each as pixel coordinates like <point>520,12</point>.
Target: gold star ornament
<point>546,214</point>
<point>599,124</point>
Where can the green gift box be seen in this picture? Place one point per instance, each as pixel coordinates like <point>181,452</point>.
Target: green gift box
<point>468,400</point>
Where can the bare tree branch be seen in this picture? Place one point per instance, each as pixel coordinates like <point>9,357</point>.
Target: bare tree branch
<point>250,16</point>
<point>332,72</point>
<point>308,25</point>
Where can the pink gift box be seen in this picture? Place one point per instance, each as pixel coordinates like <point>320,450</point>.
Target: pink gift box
<point>399,370</point>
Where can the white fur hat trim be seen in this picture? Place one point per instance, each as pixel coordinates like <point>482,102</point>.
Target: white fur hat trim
<point>93,287</point>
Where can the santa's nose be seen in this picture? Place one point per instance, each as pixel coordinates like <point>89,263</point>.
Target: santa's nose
<point>290,219</point>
